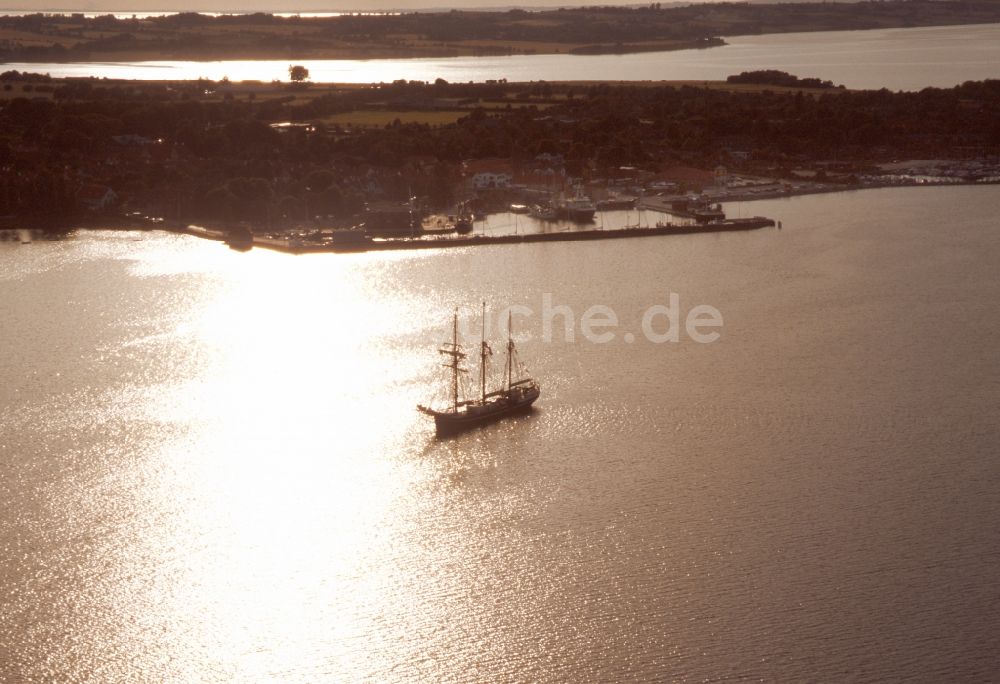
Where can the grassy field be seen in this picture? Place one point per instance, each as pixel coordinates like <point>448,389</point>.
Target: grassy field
<point>23,90</point>
<point>381,118</point>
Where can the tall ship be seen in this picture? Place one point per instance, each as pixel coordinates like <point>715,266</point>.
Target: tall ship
<point>516,395</point>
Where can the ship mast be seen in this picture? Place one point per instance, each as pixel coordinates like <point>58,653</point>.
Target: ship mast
<point>482,360</point>
<point>456,354</point>
<point>454,358</point>
<point>510,350</point>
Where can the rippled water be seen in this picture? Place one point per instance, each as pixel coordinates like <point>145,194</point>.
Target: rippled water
<point>898,59</point>
<point>211,469</point>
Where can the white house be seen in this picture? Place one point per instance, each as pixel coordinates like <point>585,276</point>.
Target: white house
<point>489,179</point>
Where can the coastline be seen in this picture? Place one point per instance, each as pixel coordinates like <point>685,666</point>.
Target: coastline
<point>292,244</point>
<point>74,37</point>
<point>372,52</point>
<point>111,153</point>
<point>300,246</point>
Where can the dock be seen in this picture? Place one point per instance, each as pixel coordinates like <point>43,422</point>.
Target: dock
<point>362,243</point>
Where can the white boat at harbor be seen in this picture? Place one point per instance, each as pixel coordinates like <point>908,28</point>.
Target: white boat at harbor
<point>544,212</point>
<point>578,208</point>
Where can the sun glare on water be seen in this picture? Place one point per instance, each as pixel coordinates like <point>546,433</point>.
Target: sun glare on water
<point>284,468</point>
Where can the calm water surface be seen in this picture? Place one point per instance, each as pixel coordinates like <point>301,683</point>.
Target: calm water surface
<point>898,59</point>
<point>211,469</point>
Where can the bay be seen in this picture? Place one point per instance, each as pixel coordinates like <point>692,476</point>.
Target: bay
<point>211,468</point>
<point>897,59</point>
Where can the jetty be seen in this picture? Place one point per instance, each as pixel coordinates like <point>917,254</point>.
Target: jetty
<point>355,241</point>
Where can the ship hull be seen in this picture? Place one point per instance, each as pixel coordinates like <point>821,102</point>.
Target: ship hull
<point>614,204</point>
<point>578,215</point>
<point>450,423</point>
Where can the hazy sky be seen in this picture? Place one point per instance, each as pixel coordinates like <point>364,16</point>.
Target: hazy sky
<point>288,6</point>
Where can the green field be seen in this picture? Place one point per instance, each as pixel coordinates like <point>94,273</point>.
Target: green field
<point>381,118</point>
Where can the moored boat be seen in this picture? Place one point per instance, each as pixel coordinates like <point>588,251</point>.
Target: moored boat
<point>437,223</point>
<point>616,202</point>
<point>464,219</point>
<point>579,209</point>
<point>697,209</point>
<point>544,212</point>
<point>463,224</point>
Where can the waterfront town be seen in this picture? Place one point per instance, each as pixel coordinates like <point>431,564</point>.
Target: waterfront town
<point>404,157</point>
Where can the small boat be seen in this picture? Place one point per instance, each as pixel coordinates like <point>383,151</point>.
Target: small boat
<point>708,213</point>
<point>514,397</point>
<point>463,220</point>
<point>544,212</point>
<point>438,224</point>
<point>697,209</point>
<point>616,202</point>
<point>579,209</point>
<point>519,209</point>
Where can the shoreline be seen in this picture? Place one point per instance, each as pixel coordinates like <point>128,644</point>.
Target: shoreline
<point>749,196</point>
<point>371,53</point>
<point>285,245</point>
<point>298,246</point>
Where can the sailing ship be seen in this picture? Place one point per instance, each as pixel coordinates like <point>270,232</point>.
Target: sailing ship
<point>516,395</point>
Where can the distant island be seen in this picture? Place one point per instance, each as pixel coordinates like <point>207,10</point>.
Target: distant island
<point>287,156</point>
<point>591,30</point>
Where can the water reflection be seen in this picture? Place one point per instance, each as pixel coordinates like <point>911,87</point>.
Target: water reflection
<point>211,469</point>
<point>297,501</point>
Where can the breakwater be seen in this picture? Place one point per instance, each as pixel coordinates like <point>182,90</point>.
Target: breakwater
<point>346,242</point>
